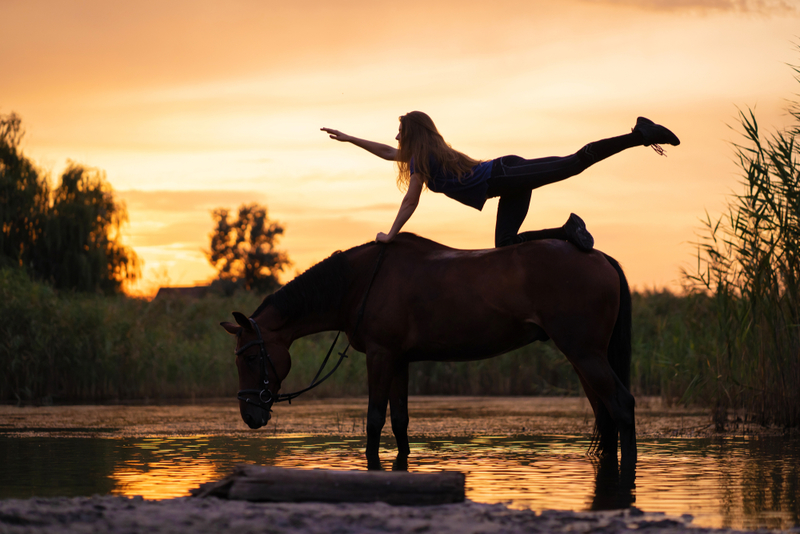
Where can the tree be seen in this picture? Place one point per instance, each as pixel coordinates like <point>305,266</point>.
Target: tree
<point>81,247</point>
<point>69,237</point>
<point>24,197</point>
<point>243,250</point>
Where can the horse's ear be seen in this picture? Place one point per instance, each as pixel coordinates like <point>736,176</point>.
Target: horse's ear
<point>231,328</point>
<point>242,320</point>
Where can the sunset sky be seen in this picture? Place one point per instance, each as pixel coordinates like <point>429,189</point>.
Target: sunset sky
<point>193,105</point>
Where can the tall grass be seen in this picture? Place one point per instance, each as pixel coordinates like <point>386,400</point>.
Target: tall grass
<point>749,263</point>
<point>672,338</point>
<point>58,346</point>
<point>64,347</point>
<point>92,347</point>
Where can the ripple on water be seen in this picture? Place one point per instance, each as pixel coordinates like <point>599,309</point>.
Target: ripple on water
<point>739,483</point>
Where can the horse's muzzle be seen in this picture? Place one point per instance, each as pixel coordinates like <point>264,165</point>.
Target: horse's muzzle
<point>256,422</point>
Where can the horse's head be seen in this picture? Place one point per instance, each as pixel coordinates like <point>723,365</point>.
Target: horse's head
<point>263,362</point>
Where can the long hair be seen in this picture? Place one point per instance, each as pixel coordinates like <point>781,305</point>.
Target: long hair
<point>420,140</point>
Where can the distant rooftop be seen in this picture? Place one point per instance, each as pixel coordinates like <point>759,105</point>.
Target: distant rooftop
<point>189,292</point>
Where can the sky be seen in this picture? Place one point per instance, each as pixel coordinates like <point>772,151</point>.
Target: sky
<point>194,105</point>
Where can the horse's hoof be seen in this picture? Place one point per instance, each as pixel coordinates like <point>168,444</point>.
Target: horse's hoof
<point>400,463</point>
<point>374,464</point>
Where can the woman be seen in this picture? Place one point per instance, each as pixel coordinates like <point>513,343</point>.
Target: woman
<point>424,159</point>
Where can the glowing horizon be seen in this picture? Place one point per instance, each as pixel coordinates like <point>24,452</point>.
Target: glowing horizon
<point>194,106</point>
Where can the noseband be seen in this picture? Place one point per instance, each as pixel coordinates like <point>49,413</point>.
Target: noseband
<point>263,395</point>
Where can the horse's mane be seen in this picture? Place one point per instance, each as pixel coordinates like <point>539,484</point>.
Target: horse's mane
<point>318,289</point>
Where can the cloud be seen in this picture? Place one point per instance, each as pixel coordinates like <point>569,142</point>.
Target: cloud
<point>764,7</point>
<point>187,234</point>
<point>187,201</point>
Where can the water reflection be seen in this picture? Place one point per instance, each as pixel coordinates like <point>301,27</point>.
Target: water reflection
<point>613,488</point>
<point>179,465</point>
<point>724,483</point>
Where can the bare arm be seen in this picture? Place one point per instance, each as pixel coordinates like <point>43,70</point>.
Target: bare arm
<point>407,207</point>
<point>379,149</point>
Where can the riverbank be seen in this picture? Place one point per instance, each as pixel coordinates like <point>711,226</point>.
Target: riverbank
<point>214,516</point>
<point>517,452</point>
<point>430,415</point>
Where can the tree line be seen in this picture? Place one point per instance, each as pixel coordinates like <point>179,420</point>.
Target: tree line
<point>70,236</point>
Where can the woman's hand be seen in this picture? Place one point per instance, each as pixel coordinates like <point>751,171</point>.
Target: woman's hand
<point>383,238</point>
<point>379,149</point>
<point>337,135</point>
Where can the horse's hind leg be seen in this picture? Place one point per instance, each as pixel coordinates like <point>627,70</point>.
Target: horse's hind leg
<point>604,441</point>
<point>598,377</point>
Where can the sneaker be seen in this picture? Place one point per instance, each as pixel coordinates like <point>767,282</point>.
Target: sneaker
<point>655,134</point>
<point>577,234</point>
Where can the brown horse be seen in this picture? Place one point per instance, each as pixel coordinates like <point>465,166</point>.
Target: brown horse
<point>420,300</point>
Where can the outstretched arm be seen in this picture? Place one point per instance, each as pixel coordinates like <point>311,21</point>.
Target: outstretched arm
<point>407,207</point>
<point>379,149</point>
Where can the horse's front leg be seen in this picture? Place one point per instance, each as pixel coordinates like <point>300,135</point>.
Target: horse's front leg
<point>380,380</point>
<point>398,400</point>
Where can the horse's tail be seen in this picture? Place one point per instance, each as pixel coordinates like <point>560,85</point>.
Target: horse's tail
<point>619,353</point>
<point>619,349</point>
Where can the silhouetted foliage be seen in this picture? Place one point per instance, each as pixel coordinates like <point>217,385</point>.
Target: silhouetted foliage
<point>243,249</point>
<point>24,196</point>
<point>69,237</point>
<point>81,246</point>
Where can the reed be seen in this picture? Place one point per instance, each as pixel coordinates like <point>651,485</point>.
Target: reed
<point>748,262</point>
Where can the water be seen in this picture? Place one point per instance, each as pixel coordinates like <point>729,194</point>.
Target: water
<point>738,483</point>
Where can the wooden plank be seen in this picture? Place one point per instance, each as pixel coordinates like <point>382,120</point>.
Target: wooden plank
<point>276,484</point>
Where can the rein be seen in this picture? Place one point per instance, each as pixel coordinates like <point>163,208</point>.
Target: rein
<point>264,395</point>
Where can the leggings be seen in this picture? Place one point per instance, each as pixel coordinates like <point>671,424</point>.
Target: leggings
<point>514,178</point>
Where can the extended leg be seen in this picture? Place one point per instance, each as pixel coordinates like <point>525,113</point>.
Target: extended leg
<point>515,173</point>
<point>513,178</point>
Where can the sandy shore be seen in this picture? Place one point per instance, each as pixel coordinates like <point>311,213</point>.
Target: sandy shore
<point>199,516</point>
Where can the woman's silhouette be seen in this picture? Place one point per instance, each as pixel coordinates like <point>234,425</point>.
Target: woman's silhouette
<point>424,159</point>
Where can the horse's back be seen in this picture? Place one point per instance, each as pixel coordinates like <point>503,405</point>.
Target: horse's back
<point>502,297</point>
<point>543,266</point>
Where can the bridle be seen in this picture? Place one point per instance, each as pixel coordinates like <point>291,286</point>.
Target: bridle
<point>264,397</point>
<point>263,394</point>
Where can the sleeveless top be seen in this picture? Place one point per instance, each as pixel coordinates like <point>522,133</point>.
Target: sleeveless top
<point>470,191</point>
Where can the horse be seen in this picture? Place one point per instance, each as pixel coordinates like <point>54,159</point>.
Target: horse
<point>414,299</point>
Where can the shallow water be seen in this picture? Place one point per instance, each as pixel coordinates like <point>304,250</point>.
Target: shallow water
<point>739,483</point>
